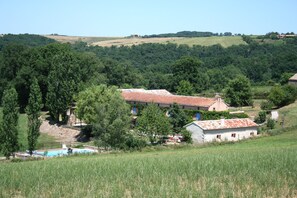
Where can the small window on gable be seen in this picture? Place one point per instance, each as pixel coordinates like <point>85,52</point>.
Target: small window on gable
<point>219,136</point>
<point>233,135</point>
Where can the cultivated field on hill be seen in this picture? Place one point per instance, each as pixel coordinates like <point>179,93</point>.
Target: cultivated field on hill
<point>262,167</point>
<point>225,41</point>
<point>73,39</point>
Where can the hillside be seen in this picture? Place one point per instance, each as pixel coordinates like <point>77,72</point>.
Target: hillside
<point>262,167</point>
<point>225,41</point>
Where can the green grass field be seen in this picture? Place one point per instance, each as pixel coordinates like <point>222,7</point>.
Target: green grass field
<point>226,41</point>
<point>265,167</point>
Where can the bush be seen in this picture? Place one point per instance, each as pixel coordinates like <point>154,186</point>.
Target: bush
<point>261,117</point>
<point>187,136</point>
<point>266,105</point>
<point>134,142</point>
<point>270,123</point>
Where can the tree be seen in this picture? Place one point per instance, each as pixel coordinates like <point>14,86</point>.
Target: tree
<point>185,88</point>
<point>177,118</point>
<point>189,69</point>
<point>282,95</point>
<point>261,117</point>
<point>104,108</point>
<point>33,112</point>
<point>285,78</point>
<point>153,122</point>
<point>9,130</point>
<point>238,92</point>
<point>62,85</point>
<point>270,123</point>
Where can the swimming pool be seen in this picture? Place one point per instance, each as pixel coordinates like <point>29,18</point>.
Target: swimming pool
<point>63,152</point>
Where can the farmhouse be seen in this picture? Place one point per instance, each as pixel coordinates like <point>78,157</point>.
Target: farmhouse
<point>293,80</point>
<point>163,98</point>
<point>222,130</point>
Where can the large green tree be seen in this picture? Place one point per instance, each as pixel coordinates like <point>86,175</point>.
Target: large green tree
<point>104,108</point>
<point>177,118</point>
<point>185,88</point>
<point>282,95</point>
<point>190,69</point>
<point>153,122</point>
<point>63,83</point>
<point>238,92</point>
<point>33,112</point>
<point>9,125</point>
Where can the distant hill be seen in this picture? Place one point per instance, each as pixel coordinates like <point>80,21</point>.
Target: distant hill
<point>225,41</point>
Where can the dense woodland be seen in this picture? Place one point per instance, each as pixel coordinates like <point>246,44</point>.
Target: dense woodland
<point>65,69</point>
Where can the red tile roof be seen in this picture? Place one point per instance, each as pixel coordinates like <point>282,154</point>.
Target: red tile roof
<point>225,124</point>
<point>167,99</point>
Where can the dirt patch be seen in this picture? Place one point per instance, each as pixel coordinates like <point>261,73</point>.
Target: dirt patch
<point>61,134</point>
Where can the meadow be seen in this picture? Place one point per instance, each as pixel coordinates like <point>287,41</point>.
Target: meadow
<point>224,41</point>
<point>263,167</point>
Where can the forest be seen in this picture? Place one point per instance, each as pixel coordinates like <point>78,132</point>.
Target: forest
<point>151,66</point>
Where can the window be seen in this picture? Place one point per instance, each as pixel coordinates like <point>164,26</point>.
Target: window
<point>214,109</point>
<point>197,116</point>
<point>233,135</point>
<point>218,136</point>
<point>252,134</point>
<point>134,110</point>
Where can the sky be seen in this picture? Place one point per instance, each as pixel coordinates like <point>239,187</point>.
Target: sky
<point>145,17</point>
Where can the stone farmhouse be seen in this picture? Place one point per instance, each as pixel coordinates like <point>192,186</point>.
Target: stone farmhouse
<point>163,98</point>
<point>293,80</point>
<point>222,130</point>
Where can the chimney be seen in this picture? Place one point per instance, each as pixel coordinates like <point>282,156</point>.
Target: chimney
<point>218,97</point>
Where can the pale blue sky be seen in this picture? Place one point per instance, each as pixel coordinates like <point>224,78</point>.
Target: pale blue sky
<point>126,17</point>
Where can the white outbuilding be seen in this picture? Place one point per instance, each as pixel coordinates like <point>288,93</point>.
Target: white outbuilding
<point>222,130</point>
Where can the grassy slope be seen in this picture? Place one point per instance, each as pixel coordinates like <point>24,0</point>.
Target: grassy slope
<point>44,140</point>
<point>207,41</point>
<point>265,167</point>
<point>73,39</point>
<point>118,41</point>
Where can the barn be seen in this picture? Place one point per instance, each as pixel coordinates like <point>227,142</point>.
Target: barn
<point>222,130</point>
<point>163,98</point>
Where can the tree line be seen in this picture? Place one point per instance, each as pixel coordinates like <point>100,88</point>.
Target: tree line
<point>62,70</point>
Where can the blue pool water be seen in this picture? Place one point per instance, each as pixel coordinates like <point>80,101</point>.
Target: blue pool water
<point>62,152</point>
